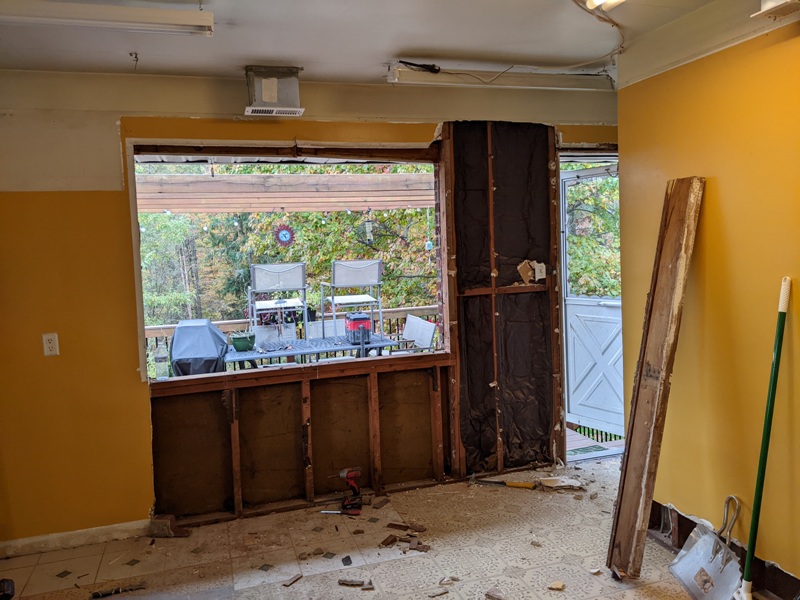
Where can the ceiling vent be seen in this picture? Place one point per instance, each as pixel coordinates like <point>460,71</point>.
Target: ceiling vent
<point>273,92</point>
<point>777,8</point>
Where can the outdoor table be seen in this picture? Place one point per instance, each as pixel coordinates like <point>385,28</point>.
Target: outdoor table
<point>306,348</point>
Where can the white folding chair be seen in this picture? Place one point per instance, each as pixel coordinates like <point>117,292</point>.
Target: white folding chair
<point>286,285</point>
<point>351,275</point>
<point>417,336</point>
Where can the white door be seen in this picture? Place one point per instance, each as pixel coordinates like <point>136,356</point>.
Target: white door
<point>592,306</point>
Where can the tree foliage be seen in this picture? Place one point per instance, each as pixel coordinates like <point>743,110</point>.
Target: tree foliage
<point>221,248</point>
<point>592,207</point>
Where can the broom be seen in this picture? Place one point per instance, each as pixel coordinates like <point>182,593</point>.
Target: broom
<point>745,592</point>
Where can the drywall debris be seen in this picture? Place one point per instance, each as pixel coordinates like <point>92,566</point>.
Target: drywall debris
<point>495,593</point>
<point>595,571</point>
<point>378,504</point>
<point>293,580</point>
<point>117,590</point>
<point>556,586</point>
<point>560,483</point>
<point>352,582</point>
<point>449,580</point>
<point>536,543</point>
<point>531,271</point>
<point>163,526</point>
<point>368,587</point>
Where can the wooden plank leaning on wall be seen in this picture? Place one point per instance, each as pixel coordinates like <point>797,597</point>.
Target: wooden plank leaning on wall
<point>662,319</point>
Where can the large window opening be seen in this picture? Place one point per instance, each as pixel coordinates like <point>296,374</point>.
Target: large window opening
<point>236,253</point>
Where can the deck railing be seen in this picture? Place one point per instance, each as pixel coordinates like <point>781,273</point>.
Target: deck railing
<point>393,322</point>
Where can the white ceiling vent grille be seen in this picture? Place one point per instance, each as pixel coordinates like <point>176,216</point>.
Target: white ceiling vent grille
<point>777,8</point>
<point>273,92</point>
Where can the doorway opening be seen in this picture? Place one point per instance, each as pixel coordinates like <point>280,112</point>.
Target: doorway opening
<point>591,284</point>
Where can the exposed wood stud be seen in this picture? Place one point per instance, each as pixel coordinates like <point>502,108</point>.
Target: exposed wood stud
<point>376,475</point>
<point>558,426</point>
<point>422,155</point>
<point>450,314</point>
<point>651,384</point>
<point>233,400</point>
<point>305,392</point>
<point>436,425</point>
<point>499,450</point>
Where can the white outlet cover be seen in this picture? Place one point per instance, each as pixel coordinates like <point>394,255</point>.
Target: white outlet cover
<point>50,344</point>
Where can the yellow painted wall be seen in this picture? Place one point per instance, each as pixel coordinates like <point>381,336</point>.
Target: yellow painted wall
<point>75,451</point>
<point>731,117</point>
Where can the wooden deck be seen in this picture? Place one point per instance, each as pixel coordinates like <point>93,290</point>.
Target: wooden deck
<point>580,447</point>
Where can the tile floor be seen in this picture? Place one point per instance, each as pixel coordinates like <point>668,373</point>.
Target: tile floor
<point>517,540</point>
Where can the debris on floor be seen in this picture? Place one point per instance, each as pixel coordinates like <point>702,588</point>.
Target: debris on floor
<point>400,526</point>
<point>417,527</point>
<point>378,504</point>
<point>352,582</point>
<point>556,586</point>
<point>117,590</point>
<point>390,541</point>
<point>293,580</point>
<point>495,593</point>
<point>368,587</point>
<point>450,580</point>
<point>164,526</point>
<point>560,483</point>
<point>438,593</point>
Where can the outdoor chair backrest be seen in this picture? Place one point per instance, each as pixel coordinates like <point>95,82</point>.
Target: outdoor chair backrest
<point>356,273</point>
<point>314,328</point>
<point>419,331</point>
<point>278,277</point>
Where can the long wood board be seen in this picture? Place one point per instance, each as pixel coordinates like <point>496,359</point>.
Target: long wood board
<point>651,387</point>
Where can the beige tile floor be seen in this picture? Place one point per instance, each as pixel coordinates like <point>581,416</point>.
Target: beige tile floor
<point>481,534</point>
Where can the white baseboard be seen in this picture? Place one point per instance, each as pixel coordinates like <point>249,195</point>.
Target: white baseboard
<point>71,539</point>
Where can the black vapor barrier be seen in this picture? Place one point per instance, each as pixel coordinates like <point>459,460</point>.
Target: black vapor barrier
<point>519,393</point>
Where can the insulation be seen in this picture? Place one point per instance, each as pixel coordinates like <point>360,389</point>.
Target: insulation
<point>521,206</point>
<point>471,206</point>
<point>510,186</point>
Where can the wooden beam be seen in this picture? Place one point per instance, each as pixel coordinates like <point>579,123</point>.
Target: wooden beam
<point>449,303</point>
<point>507,289</point>
<point>437,443</point>
<point>376,475</point>
<point>499,450</point>
<point>305,386</point>
<point>231,396</point>
<point>283,193</point>
<point>651,387</point>
<point>558,431</point>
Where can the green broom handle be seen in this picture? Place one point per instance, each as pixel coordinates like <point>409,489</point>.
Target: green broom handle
<point>783,306</point>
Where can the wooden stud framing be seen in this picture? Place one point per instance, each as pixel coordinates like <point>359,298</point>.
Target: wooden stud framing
<point>559,425</point>
<point>307,455</point>
<point>375,435</point>
<point>653,372</point>
<point>449,289</point>
<point>499,450</point>
<point>435,395</point>
<point>230,398</point>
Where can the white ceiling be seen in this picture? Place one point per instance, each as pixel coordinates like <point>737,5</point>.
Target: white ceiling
<point>343,40</point>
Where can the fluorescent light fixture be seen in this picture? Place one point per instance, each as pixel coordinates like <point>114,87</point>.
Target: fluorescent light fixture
<point>120,18</point>
<point>452,78</point>
<point>604,4</point>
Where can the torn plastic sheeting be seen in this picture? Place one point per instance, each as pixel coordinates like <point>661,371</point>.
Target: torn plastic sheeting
<point>521,197</point>
<point>525,381</point>
<point>471,205</point>
<point>478,402</point>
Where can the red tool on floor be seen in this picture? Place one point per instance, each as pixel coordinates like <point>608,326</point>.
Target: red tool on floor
<point>354,502</point>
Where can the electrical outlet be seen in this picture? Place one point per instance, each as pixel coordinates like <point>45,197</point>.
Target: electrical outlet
<point>50,342</point>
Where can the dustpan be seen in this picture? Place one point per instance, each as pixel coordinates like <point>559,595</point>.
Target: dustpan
<point>706,567</point>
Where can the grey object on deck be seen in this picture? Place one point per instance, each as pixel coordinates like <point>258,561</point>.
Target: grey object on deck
<point>198,347</point>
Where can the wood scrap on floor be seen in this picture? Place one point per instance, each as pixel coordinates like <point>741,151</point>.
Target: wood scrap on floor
<point>293,580</point>
<point>651,387</point>
<point>495,593</point>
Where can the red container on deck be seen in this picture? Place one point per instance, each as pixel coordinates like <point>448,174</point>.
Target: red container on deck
<point>357,326</point>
